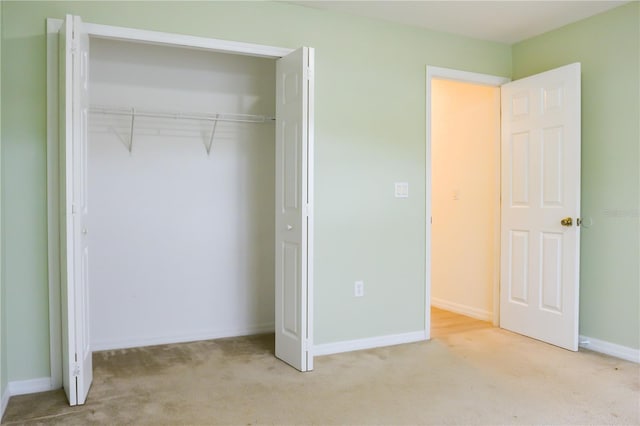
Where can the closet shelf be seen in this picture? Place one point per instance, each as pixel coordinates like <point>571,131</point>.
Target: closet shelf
<point>214,118</point>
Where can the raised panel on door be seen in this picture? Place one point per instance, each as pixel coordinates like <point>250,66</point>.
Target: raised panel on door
<point>540,187</point>
<point>518,277</point>
<point>551,271</point>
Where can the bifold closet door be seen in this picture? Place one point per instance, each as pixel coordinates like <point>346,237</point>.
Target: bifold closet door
<point>74,104</point>
<point>293,170</point>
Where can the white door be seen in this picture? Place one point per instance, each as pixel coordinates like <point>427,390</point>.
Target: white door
<point>540,235</point>
<point>294,149</point>
<point>74,98</point>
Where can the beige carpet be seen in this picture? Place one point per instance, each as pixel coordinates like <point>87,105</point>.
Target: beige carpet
<point>483,376</point>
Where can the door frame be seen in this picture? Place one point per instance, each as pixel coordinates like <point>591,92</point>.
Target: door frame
<point>53,144</point>
<point>465,77</point>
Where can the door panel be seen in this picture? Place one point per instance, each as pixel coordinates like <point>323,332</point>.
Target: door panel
<point>81,146</point>
<point>518,266</point>
<point>77,359</point>
<point>540,187</point>
<point>551,167</point>
<point>293,149</point>
<point>66,218</point>
<point>520,170</point>
<point>551,272</point>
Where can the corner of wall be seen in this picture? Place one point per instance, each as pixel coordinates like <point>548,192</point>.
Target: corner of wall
<point>4,401</point>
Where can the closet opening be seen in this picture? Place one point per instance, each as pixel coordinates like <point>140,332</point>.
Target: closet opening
<point>180,182</point>
<point>181,194</point>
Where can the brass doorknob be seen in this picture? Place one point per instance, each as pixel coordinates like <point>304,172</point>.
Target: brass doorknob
<point>567,221</point>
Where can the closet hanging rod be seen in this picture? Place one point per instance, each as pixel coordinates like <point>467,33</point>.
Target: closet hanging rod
<point>135,112</point>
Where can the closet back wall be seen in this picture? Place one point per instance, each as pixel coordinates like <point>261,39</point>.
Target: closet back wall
<point>181,241</point>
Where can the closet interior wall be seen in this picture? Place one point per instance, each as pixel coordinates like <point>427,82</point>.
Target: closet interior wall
<point>181,240</point>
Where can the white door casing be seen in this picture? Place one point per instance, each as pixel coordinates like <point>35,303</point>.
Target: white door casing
<point>540,187</point>
<point>74,104</point>
<point>293,158</point>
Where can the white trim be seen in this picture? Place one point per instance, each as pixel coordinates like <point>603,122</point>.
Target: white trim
<point>468,77</point>
<point>106,345</point>
<point>183,40</point>
<point>369,343</point>
<point>458,308</point>
<point>4,401</point>
<point>608,348</point>
<point>464,76</point>
<point>23,387</point>
<point>53,208</point>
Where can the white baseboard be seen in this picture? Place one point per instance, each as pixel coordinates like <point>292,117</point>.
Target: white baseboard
<point>4,401</point>
<point>368,343</point>
<point>22,387</point>
<point>609,348</point>
<point>458,308</point>
<point>104,345</point>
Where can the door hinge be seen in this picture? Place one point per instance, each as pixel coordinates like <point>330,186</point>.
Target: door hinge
<point>76,370</point>
<point>73,209</point>
<point>305,345</point>
<point>309,72</point>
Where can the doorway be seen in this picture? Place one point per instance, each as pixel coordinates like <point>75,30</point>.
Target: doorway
<point>538,289</point>
<point>465,147</point>
<point>463,193</point>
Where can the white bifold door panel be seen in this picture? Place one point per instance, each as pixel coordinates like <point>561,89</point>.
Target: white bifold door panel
<point>74,105</point>
<point>293,162</point>
<point>540,234</point>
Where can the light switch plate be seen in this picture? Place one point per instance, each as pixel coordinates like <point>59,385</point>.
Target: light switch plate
<point>402,189</point>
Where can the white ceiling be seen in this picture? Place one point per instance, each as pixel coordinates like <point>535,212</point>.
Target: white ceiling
<point>502,21</point>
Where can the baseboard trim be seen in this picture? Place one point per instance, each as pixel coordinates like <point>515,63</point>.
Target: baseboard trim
<point>107,345</point>
<point>368,343</point>
<point>23,387</point>
<point>458,308</point>
<point>608,348</point>
<point>4,401</point>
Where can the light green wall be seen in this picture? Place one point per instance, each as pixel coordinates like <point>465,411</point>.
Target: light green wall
<point>608,46</point>
<point>370,132</point>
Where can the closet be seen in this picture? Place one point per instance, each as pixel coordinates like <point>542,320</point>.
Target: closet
<point>181,190</point>
<point>181,193</point>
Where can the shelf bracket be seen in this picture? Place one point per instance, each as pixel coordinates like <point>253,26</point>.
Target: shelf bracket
<point>213,132</point>
<point>133,121</point>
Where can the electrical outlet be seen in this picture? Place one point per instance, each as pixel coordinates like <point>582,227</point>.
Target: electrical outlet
<point>358,289</point>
